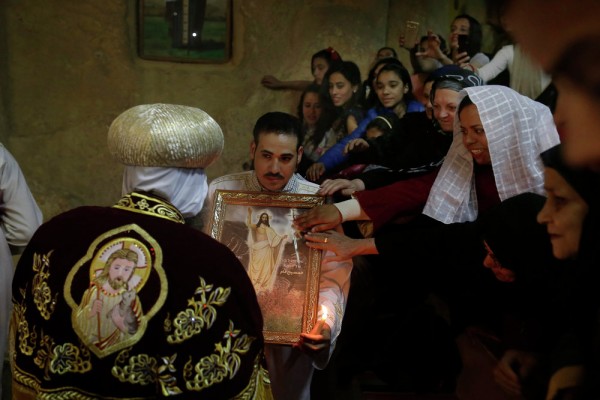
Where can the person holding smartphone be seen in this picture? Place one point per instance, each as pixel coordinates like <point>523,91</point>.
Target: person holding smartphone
<point>465,44</point>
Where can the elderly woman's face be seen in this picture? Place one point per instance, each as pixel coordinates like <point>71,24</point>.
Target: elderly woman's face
<point>444,104</point>
<point>563,214</point>
<point>473,135</point>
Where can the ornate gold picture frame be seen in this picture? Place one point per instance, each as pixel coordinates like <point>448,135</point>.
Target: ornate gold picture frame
<point>257,227</point>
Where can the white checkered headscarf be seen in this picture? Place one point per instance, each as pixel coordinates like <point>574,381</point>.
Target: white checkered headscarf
<point>517,129</point>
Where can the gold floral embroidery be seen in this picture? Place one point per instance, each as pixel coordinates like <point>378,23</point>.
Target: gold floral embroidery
<point>43,357</point>
<point>225,362</point>
<point>168,382</point>
<point>139,369</point>
<point>42,295</point>
<point>191,321</point>
<point>26,340</point>
<point>168,324</point>
<point>149,205</point>
<point>70,358</point>
<point>259,386</point>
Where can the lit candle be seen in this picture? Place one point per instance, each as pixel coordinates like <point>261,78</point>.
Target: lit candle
<point>323,313</point>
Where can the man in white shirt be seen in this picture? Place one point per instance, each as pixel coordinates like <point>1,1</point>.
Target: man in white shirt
<point>276,151</point>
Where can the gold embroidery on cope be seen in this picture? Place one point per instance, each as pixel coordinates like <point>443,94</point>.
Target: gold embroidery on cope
<point>70,358</point>
<point>42,295</point>
<point>168,324</point>
<point>26,339</point>
<point>224,363</point>
<point>168,382</point>
<point>259,386</point>
<point>191,321</point>
<point>109,316</point>
<point>43,356</point>
<point>139,369</point>
<point>140,203</point>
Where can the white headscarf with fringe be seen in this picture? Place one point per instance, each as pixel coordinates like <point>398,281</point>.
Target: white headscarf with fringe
<point>517,129</point>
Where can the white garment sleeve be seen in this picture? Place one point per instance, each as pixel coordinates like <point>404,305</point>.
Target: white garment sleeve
<point>206,211</point>
<point>333,294</point>
<point>20,214</point>
<point>350,210</point>
<point>501,61</point>
<point>479,60</point>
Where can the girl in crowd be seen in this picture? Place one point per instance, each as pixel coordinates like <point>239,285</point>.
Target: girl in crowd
<point>463,26</point>
<point>391,93</point>
<point>382,54</point>
<point>319,64</point>
<point>345,91</point>
<point>316,114</point>
<point>386,52</point>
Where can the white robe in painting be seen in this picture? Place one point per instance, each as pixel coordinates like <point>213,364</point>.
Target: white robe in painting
<point>266,249</point>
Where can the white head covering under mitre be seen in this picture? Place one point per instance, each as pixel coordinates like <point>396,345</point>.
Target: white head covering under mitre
<point>517,129</point>
<point>165,148</point>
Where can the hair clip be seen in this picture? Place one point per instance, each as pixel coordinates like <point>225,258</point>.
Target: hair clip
<point>334,54</point>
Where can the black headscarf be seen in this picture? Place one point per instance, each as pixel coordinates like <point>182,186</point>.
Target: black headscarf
<point>585,182</point>
<point>517,240</point>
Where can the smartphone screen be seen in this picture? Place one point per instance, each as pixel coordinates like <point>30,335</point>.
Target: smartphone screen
<point>411,32</point>
<point>463,44</point>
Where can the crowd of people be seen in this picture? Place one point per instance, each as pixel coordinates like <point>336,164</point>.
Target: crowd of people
<point>453,211</point>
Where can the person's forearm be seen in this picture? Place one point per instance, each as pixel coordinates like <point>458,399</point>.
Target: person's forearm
<point>294,85</point>
<point>444,59</point>
<point>365,247</point>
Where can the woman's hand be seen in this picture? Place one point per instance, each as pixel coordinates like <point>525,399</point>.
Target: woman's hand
<point>433,49</point>
<point>270,82</point>
<point>344,247</point>
<point>315,171</point>
<point>344,186</point>
<point>319,218</point>
<point>461,59</point>
<point>356,146</point>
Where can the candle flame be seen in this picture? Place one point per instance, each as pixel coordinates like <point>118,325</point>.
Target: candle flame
<point>323,312</point>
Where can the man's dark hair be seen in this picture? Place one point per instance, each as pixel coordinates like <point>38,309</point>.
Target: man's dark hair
<point>280,123</point>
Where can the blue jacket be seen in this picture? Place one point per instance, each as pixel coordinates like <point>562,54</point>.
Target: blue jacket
<point>335,156</point>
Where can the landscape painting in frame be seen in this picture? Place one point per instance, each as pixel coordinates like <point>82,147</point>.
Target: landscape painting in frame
<point>257,227</point>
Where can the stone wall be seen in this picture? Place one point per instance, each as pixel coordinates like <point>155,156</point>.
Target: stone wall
<point>70,67</point>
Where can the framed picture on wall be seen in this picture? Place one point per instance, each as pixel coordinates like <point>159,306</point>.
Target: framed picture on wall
<point>257,227</point>
<point>196,31</point>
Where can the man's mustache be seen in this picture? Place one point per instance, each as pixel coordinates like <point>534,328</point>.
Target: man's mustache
<point>272,175</point>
